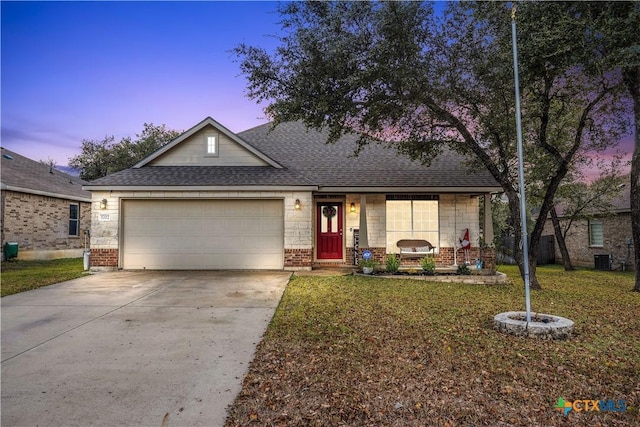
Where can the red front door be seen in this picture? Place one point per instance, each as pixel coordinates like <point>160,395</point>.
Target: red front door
<point>329,229</point>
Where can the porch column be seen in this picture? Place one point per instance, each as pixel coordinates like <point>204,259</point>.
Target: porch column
<point>364,235</point>
<point>488,220</point>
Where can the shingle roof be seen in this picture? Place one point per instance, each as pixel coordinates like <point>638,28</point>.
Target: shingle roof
<point>306,151</point>
<point>202,176</point>
<point>308,161</point>
<point>20,173</point>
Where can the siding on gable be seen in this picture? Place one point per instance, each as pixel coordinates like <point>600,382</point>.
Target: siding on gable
<point>192,152</point>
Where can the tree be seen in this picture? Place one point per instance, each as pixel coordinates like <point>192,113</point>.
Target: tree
<point>614,25</point>
<point>100,158</point>
<point>632,79</point>
<point>395,72</point>
<point>579,200</point>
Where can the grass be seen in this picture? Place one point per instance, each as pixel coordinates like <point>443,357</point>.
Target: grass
<point>369,351</point>
<point>19,276</point>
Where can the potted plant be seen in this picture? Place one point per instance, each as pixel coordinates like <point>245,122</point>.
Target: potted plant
<point>393,264</point>
<point>428,265</point>
<point>368,265</point>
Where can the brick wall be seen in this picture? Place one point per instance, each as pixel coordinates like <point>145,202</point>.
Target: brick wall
<point>616,229</point>
<point>378,254</point>
<point>445,258</point>
<point>298,258</point>
<point>104,258</point>
<point>41,224</point>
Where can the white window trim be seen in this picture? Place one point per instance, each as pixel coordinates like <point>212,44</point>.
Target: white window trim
<point>216,145</point>
<point>436,249</point>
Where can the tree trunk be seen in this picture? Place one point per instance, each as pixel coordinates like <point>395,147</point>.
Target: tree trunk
<point>514,209</point>
<point>632,80</point>
<point>562,244</point>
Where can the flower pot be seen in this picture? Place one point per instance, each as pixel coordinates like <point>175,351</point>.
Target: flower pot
<point>367,270</point>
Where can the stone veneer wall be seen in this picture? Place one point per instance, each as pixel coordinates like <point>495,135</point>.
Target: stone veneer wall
<point>40,225</point>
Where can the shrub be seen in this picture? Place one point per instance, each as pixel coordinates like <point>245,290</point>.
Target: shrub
<point>463,270</point>
<point>368,263</point>
<point>393,263</point>
<point>428,264</point>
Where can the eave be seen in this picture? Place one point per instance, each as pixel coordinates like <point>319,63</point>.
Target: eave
<point>166,188</point>
<point>44,193</point>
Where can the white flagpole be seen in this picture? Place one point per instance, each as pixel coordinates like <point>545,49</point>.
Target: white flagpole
<point>523,213</point>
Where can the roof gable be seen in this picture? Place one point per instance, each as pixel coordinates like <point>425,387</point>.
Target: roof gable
<point>300,157</point>
<point>24,175</point>
<point>189,149</point>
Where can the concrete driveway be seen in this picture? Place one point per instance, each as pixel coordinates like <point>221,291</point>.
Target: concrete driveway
<point>133,348</point>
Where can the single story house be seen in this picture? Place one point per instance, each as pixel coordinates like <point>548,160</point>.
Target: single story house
<point>45,211</point>
<point>604,240</point>
<point>281,199</point>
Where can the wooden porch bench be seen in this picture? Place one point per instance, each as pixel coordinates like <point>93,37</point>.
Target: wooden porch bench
<point>414,248</point>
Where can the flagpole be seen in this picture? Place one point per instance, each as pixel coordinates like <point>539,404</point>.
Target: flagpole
<point>523,204</point>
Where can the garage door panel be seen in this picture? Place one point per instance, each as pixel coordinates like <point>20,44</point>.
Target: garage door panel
<point>213,227</point>
<point>232,226</point>
<point>203,234</point>
<point>233,209</point>
<point>273,210</point>
<point>252,209</point>
<point>251,226</point>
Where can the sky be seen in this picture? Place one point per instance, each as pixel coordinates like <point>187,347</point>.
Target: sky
<point>86,70</point>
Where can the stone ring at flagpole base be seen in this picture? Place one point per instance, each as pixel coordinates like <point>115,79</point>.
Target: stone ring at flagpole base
<point>544,326</point>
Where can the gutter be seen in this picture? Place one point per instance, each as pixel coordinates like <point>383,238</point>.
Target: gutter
<point>409,190</point>
<point>200,188</point>
<point>44,193</point>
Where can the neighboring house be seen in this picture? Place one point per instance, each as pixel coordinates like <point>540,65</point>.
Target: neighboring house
<point>45,211</point>
<point>604,239</point>
<point>281,199</point>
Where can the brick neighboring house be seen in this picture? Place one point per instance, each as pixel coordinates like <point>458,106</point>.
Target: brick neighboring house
<point>602,235</point>
<point>44,210</point>
<point>282,199</point>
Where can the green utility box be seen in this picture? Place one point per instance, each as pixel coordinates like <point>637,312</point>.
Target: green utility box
<point>10,250</point>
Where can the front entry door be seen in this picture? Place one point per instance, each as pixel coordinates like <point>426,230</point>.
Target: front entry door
<point>329,229</point>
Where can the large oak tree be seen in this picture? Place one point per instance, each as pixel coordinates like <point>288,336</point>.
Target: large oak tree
<point>398,72</point>
<point>99,158</point>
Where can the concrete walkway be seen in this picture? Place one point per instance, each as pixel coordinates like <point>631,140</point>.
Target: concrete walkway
<point>133,348</point>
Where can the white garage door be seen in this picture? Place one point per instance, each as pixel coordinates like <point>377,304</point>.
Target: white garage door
<point>203,234</point>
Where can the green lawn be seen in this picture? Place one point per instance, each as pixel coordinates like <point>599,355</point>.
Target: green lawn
<point>20,276</point>
<point>359,350</point>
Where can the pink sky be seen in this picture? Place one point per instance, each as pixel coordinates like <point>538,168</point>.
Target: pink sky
<point>86,70</point>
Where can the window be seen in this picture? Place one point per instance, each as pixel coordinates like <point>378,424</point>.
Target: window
<point>74,219</point>
<point>212,144</point>
<point>596,234</point>
<point>411,217</point>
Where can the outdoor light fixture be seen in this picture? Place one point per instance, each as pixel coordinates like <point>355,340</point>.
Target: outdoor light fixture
<point>352,208</point>
<point>297,205</point>
<point>103,204</point>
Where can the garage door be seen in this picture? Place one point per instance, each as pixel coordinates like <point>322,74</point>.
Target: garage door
<point>203,234</point>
